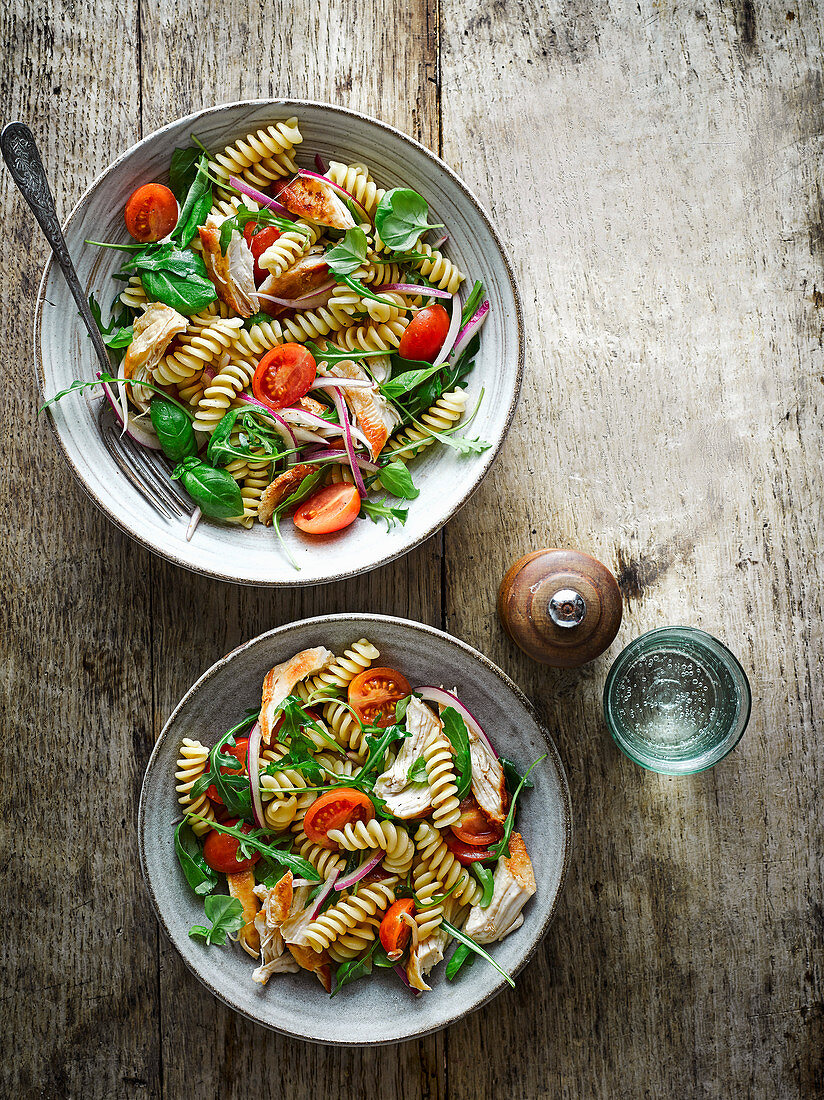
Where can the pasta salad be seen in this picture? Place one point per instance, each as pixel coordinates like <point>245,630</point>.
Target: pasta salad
<point>357,823</point>
<point>288,338</point>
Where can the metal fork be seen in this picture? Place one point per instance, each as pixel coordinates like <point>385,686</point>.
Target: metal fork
<point>144,469</point>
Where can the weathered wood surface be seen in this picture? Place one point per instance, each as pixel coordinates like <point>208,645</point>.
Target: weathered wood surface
<point>655,169</point>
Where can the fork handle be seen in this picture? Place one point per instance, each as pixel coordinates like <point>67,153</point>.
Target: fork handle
<point>22,158</point>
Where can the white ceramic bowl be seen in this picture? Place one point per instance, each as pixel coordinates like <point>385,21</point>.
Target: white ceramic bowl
<point>446,480</point>
<point>379,1009</point>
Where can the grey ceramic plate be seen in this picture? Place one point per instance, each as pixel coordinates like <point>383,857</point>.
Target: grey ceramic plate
<point>380,1009</point>
<point>446,480</point>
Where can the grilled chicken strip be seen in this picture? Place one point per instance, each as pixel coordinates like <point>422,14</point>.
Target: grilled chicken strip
<point>376,417</point>
<point>488,781</point>
<point>282,678</point>
<point>316,201</point>
<point>514,885</point>
<point>275,906</point>
<point>404,799</point>
<point>282,487</point>
<point>232,274</point>
<point>153,330</point>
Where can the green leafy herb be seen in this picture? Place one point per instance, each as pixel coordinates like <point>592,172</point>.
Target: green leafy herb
<point>397,480</point>
<point>79,384</point>
<point>348,254</point>
<point>175,276</point>
<point>513,776</point>
<point>401,217</point>
<point>455,729</point>
<point>379,743</point>
<point>333,354</point>
<point>354,969</point>
<point>461,956</point>
<point>252,842</point>
<point>225,915</point>
<point>472,302</point>
<point>233,789</point>
<point>184,168</point>
<point>502,847</point>
<point>461,443</point>
<point>410,380</point>
<point>237,224</point>
<point>258,437</point>
<point>468,942</point>
<point>256,319</point>
<point>487,881</point>
<point>378,510</point>
<point>195,207</point>
<point>199,874</point>
<point>448,378</point>
<point>417,773</point>
<point>365,292</point>
<point>215,492</point>
<point>174,429</point>
<point>120,338</point>
<point>401,707</point>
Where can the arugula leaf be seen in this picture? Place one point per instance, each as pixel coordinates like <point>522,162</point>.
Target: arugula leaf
<point>472,302</point>
<point>502,847</point>
<point>378,744</point>
<point>401,216</point>
<point>333,354</point>
<point>256,319</point>
<point>417,773</point>
<point>195,207</point>
<point>378,510</point>
<point>183,170</point>
<point>513,776</point>
<point>461,443</point>
<point>354,969</point>
<point>262,438</point>
<point>225,915</point>
<point>79,384</point>
<point>397,480</point>
<point>236,786</point>
<point>410,380</point>
<point>348,254</point>
<point>486,878</point>
<point>455,729</point>
<point>449,378</point>
<point>251,842</point>
<point>199,874</point>
<point>461,956</point>
<point>462,937</point>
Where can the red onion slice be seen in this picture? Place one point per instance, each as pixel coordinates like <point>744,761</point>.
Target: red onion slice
<point>361,872</point>
<point>399,970</point>
<point>134,431</point>
<point>347,442</point>
<point>454,325</point>
<point>260,198</point>
<point>321,167</point>
<point>410,288</point>
<point>324,894</point>
<point>283,429</point>
<point>470,328</point>
<point>447,699</point>
<point>325,383</point>
<point>339,190</point>
<point>364,463</point>
<point>440,242</point>
<point>253,770</point>
<point>306,301</point>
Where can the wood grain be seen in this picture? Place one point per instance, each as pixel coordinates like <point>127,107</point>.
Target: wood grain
<point>655,170</point>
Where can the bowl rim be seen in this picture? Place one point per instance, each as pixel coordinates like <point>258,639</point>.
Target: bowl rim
<point>552,753</point>
<point>488,460</point>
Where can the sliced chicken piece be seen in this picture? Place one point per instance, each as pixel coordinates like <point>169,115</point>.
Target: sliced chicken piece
<point>242,887</point>
<point>313,406</point>
<point>315,961</point>
<point>404,799</point>
<point>425,955</point>
<point>488,781</point>
<point>275,906</point>
<point>376,417</point>
<point>316,201</point>
<point>283,486</point>
<point>153,331</point>
<point>299,918</point>
<point>514,885</point>
<point>280,681</point>
<point>232,274</point>
<point>297,281</point>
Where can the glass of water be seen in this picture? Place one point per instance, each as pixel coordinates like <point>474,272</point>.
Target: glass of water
<point>676,700</point>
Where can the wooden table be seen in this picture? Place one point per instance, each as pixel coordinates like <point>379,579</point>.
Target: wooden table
<point>656,171</point>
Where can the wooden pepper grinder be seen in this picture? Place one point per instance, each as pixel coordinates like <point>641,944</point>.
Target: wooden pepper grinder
<point>562,607</point>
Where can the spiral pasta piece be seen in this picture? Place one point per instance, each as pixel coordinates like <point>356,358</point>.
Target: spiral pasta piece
<point>394,840</point>
<point>289,247</point>
<point>324,860</point>
<point>443,415</point>
<point>378,274</point>
<point>133,295</point>
<point>191,764</point>
<point>351,911</point>
<point>208,315</point>
<point>374,337</point>
<point>427,886</point>
<point>340,475</point>
<point>228,207</point>
<point>271,146</point>
<point>340,765</point>
<point>197,350</point>
<point>231,378</point>
<point>260,338</point>
<point>335,315</point>
<point>258,476</point>
<point>344,669</point>
<point>350,945</point>
<point>355,179</point>
<point>439,270</point>
<point>281,784</point>
<point>440,773</point>
<point>444,866</point>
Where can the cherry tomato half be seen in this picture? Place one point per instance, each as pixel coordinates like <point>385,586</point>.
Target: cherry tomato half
<point>259,240</point>
<point>473,827</point>
<point>423,337</point>
<point>465,853</point>
<point>239,752</point>
<point>151,212</point>
<point>220,851</point>
<point>374,694</point>
<point>333,810</point>
<point>328,510</point>
<point>394,932</point>
<point>283,376</point>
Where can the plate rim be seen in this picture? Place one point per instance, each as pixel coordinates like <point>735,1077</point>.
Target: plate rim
<point>552,752</point>
<point>487,462</point>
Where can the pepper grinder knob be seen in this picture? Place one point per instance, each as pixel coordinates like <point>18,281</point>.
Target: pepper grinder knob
<point>562,607</point>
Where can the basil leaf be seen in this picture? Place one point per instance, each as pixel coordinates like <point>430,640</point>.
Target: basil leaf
<point>196,206</point>
<point>187,294</point>
<point>183,170</point>
<point>400,709</point>
<point>377,510</point>
<point>401,218</point>
<point>353,969</point>
<point>487,881</point>
<point>215,492</point>
<point>199,874</point>
<point>455,729</point>
<point>178,261</point>
<point>225,915</point>
<point>462,937</point>
<point>461,956</point>
<point>120,338</point>
<point>513,776</point>
<point>502,847</point>
<point>397,480</point>
<point>174,429</point>
<point>348,254</point>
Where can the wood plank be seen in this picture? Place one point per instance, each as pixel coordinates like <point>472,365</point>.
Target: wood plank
<point>77,939</point>
<point>313,54</point>
<point>654,171</point>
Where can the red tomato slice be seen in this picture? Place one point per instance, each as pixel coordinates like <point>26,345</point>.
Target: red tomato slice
<point>329,509</point>
<point>464,853</point>
<point>220,851</point>
<point>151,212</point>
<point>474,828</point>
<point>374,693</point>
<point>239,752</point>
<point>394,932</point>
<point>258,241</point>
<point>423,337</point>
<point>333,810</point>
<point>283,376</point>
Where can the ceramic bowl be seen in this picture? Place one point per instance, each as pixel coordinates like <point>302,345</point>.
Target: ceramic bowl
<point>446,480</point>
<point>380,1009</point>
